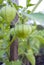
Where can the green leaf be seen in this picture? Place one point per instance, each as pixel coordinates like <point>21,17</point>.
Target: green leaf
<point>7,62</point>
<point>28,5</point>
<point>22,47</point>
<point>2,53</point>
<point>13,62</point>
<point>35,16</point>
<point>35,45</point>
<point>1,34</point>
<point>28,1</point>
<point>17,6</point>
<point>28,11</point>
<point>1,42</point>
<point>40,38</point>
<point>30,56</point>
<point>1,19</point>
<point>16,62</point>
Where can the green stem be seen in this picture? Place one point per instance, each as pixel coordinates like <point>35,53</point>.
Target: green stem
<point>13,39</point>
<point>36,6</point>
<point>9,44</point>
<point>14,6</point>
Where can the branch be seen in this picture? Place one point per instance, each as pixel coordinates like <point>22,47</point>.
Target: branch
<point>36,6</point>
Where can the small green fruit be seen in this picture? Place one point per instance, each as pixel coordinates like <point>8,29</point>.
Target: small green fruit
<point>8,13</point>
<point>22,30</point>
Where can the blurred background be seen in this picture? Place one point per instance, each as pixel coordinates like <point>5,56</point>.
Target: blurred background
<point>39,8</point>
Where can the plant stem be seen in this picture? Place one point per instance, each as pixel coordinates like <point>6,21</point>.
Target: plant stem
<point>9,44</point>
<point>36,6</point>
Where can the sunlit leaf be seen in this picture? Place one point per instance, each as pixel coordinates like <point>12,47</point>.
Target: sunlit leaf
<point>40,38</point>
<point>30,56</point>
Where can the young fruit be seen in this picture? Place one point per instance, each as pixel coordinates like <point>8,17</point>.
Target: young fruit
<point>22,30</point>
<point>8,13</point>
